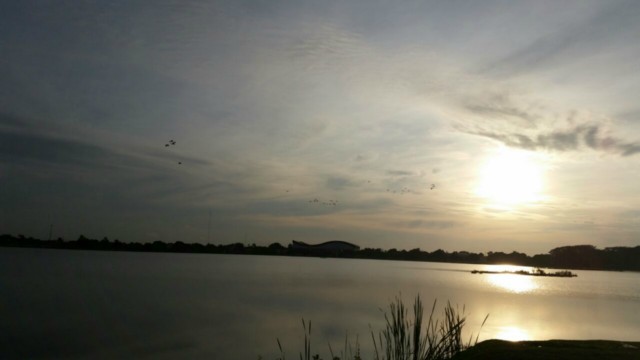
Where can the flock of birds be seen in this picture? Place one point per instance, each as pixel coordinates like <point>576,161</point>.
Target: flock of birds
<point>316,201</point>
<point>325,203</point>
<point>172,143</point>
<point>406,190</point>
<point>403,190</point>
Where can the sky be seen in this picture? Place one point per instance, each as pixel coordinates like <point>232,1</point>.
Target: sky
<point>456,125</point>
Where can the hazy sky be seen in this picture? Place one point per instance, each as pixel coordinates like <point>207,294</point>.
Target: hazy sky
<point>323,120</point>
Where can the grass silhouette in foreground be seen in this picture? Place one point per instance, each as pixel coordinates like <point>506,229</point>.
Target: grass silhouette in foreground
<point>405,338</point>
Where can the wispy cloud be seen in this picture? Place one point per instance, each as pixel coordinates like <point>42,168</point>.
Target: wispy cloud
<point>501,106</point>
<point>574,41</point>
<point>579,137</point>
<point>399,172</point>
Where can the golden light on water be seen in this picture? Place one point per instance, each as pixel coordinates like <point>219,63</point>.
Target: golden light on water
<point>513,283</point>
<point>508,268</point>
<point>509,178</point>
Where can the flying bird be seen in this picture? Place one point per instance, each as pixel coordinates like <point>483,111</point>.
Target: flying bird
<point>433,186</point>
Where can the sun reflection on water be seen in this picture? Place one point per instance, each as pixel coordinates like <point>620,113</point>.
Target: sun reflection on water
<point>513,283</point>
<point>508,268</point>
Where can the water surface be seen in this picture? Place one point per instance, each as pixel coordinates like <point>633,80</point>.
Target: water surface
<point>84,304</point>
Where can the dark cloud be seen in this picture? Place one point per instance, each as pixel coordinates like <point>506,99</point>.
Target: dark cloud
<point>18,147</point>
<point>91,184</point>
<point>7,120</point>
<point>84,164</point>
<point>23,140</point>
<point>175,157</point>
<point>13,123</point>
<point>299,207</point>
<point>579,137</point>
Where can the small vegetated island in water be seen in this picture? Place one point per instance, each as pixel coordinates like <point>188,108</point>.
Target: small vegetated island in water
<point>536,272</point>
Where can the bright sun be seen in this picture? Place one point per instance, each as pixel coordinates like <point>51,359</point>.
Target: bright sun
<point>509,178</point>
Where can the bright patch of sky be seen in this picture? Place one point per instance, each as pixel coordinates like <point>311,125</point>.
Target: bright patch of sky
<point>369,122</point>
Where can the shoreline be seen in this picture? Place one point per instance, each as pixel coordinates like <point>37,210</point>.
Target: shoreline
<point>210,249</point>
<point>551,349</point>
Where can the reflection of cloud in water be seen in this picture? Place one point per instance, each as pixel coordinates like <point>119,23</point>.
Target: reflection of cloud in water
<point>512,333</point>
<point>513,283</point>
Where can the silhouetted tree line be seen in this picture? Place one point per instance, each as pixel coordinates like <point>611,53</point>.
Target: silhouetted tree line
<point>585,257</point>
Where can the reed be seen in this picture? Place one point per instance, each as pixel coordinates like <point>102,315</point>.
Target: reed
<point>408,339</point>
<point>405,337</point>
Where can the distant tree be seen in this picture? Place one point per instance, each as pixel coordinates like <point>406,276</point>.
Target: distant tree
<point>276,246</point>
<point>572,250</point>
<point>577,257</point>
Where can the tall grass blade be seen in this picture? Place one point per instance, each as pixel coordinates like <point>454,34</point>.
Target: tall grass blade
<point>407,339</point>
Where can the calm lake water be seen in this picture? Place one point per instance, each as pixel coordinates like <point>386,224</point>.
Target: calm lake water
<point>83,304</point>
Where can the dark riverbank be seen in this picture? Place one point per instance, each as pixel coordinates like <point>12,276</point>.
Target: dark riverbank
<point>552,349</point>
<point>580,257</point>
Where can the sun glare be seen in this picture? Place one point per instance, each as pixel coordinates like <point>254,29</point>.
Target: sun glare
<point>510,178</point>
<point>512,333</point>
